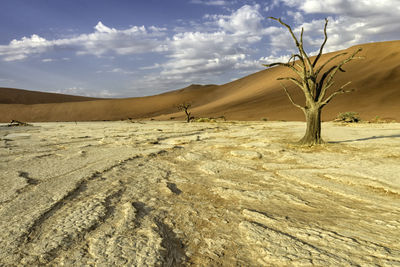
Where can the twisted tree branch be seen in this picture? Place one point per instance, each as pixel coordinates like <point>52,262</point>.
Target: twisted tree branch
<point>333,72</point>
<point>294,80</point>
<point>290,30</point>
<point>339,91</point>
<point>290,97</point>
<point>285,65</point>
<point>293,57</point>
<point>328,61</point>
<point>323,44</point>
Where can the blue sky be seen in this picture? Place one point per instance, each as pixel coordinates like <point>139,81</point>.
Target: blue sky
<point>125,48</point>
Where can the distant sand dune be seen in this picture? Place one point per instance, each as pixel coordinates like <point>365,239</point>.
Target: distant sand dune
<point>376,80</point>
<point>18,96</point>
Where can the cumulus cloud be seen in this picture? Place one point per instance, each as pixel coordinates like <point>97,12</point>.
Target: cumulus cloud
<point>245,20</point>
<point>152,67</point>
<point>20,49</point>
<point>76,90</point>
<point>197,57</point>
<point>350,22</point>
<point>103,40</point>
<point>270,5</point>
<point>272,59</point>
<point>211,50</point>
<point>118,71</point>
<point>210,2</point>
<point>360,8</point>
<point>249,66</point>
<point>192,56</point>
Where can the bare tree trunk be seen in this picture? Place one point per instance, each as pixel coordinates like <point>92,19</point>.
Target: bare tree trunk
<point>312,82</point>
<point>313,131</point>
<point>187,115</point>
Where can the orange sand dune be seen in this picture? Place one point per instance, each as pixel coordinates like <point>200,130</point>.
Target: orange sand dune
<point>18,96</point>
<point>375,78</point>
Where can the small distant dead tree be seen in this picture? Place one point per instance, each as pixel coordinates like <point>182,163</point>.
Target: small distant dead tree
<point>313,82</point>
<point>185,107</point>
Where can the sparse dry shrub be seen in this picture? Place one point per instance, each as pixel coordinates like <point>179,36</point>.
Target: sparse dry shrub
<point>378,119</point>
<point>205,120</point>
<point>348,117</point>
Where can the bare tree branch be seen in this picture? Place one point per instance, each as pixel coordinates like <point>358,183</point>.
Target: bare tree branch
<point>333,71</point>
<point>290,30</point>
<point>339,91</point>
<point>303,55</point>
<point>301,36</point>
<point>301,66</point>
<point>299,73</point>
<point>328,61</point>
<point>321,83</point>
<point>294,80</point>
<point>298,44</point>
<point>290,97</point>
<point>323,44</point>
<point>339,66</point>
<point>293,57</point>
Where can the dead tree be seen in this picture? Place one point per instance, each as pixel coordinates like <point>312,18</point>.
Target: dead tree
<point>313,82</point>
<point>185,107</point>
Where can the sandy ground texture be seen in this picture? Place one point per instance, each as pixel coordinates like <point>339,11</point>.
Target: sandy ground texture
<point>199,194</point>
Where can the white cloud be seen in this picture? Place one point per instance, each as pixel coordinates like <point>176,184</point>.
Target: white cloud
<point>117,71</point>
<point>191,56</point>
<point>297,16</point>
<point>270,5</point>
<point>122,71</point>
<point>80,91</point>
<point>104,94</point>
<point>273,59</point>
<point>75,90</point>
<point>359,8</point>
<point>249,66</point>
<point>214,52</point>
<point>20,49</point>
<point>201,56</point>
<point>47,60</point>
<point>350,22</point>
<point>103,40</point>
<point>6,80</point>
<point>245,20</point>
<point>152,67</point>
<point>210,2</point>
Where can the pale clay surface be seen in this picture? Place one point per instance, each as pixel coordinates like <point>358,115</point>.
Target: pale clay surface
<point>200,194</point>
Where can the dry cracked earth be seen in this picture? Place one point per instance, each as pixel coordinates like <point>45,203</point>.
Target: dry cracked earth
<point>199,194</point>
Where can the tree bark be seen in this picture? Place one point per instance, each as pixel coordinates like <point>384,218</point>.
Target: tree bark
<point>313,131</point>
<point>187,115</point>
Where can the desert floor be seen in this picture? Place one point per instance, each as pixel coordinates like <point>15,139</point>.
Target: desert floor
<point>205,194</point>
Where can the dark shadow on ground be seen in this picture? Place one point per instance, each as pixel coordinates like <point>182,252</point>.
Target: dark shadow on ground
<point>366,138</point>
